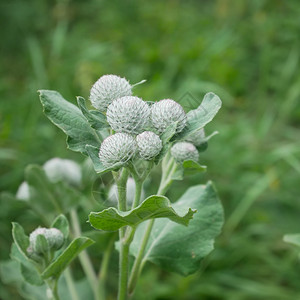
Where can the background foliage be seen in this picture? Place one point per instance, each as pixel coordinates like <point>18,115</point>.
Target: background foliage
<point>247,52</point>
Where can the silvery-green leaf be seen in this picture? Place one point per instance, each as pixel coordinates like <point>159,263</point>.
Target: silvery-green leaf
<point>111,219</point>
<point>180,249</point>
<point>70,120</point>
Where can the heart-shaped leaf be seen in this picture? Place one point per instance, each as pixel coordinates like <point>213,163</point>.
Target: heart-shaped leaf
<point>64,259</point>
<point>180,249</point>
<point>70,120</point>
<point>199,117</point>
<point>111,219</point>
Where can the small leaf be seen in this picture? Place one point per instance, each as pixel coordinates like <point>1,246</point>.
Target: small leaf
<point>93,153</point>
<point>198,118</point>
<point>293,238</point>
<point>20,238</point>
<point>41,244</point>
<point>96,119</point>
<point>62,224</point>
<point>62,261</point>
<point>28,270</point>
<point>180,249</point>
<point>188,167</point>
<point>70,120</point>
<point>111,219</point>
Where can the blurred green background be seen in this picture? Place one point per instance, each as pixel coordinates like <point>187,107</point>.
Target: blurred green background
<point>247,52</point>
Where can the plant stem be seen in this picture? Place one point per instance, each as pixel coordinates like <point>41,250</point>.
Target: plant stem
<point>52,293</point>
<point>84,258</point>
<point>70,284</point>
<point>168,168</point>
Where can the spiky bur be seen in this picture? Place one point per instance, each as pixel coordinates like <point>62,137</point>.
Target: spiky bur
<point>58,169</point>
<point>117,149</point>
<point>53,236</point>
<point>107,89</point>
<point>182,151</point>
<point>166,112</point>
<point>149,145</point>
<point>197,138</point>
<point>128,114</point>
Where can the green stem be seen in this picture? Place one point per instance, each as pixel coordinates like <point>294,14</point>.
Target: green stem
<point>71,284</point>
<point>52,293</point>
<point>84,258</point>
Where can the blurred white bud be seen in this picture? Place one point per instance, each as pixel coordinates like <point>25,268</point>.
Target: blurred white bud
<point>197,137</point>
<point>128,114</point>
<point>54,237</point>
<point>130,193</point>
<point>182,151</point>
<point>117,148</point>
<point>23,191</point>
<point>107,89</point>
<point>58,169</point>
<point>149,145</point>
<point>166,112</point>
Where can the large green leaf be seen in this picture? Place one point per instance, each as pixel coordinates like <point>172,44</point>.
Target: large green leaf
<point>63,260</point>
<point>293,238</point>
<point>96,119</point>
<point>198,118</point>
<point>70,120</point>
<point>111,219</point>
<point>180,249</point>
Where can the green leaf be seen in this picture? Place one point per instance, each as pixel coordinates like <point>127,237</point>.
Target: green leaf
<point>41,245</point>
<point>198,118</point>
<point>111,219</point>
<point>20,238</point>
<point>188,167</point>
<point>96,119</point>
<point>180,249</point>
<point>293,238</point>
<point>28,270</point>
<point>61,223</point>
<point>93,153</point>
<point>70,120</point>
<point>62,261</point>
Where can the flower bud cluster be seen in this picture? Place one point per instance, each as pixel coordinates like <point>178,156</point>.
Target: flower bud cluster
<point>138,125</point>
<point>53,236</point>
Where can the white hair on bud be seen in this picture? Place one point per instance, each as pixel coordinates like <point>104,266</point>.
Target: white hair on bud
<point>149,145</point>
<point>107,89</point>
<point>117,148</point>
<point>182,151</point>
<point>128,114</point>
<point>166,112</point>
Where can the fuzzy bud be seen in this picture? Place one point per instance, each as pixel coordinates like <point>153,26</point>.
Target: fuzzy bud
<point>149,145</point>
<point>117,148</point>
<point>58,169</point>
<point>182,151</point>
<point>54,237</point>
<point>23,192</point>
<point>107,89</point>
<point>197,138</point>
<point>128,114</point>
<point>130,192</point>
<point>165,112</point>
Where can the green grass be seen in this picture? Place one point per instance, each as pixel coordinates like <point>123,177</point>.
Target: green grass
<point>245,51</point>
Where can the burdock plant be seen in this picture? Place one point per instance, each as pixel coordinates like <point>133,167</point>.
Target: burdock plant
<point>131,138</point>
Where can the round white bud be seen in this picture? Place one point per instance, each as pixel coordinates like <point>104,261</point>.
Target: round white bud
<point>23,192</point>
<point>117,148</point>
<point>182,151</point>
<point>197,137</point>
<point>107,89</point>
<point>165,112</point>
<point>58,169</point>
<point>128,114</point>
<point>54,237</point>
<point>149,145</point>
<point>130,192</point>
